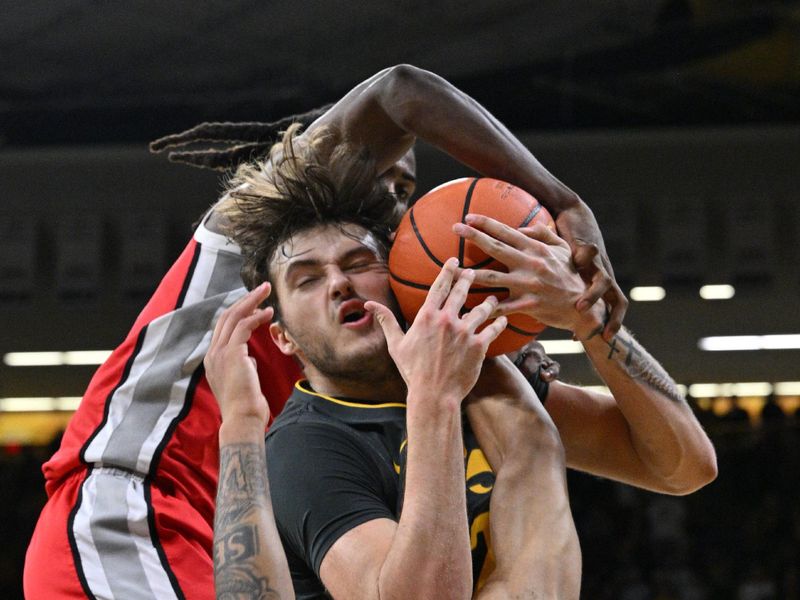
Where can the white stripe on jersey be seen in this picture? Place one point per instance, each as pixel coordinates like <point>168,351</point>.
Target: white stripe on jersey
<point>81,529</point>
<point>159,582</point>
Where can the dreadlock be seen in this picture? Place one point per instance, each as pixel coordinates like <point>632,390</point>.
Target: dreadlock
<point>240,142</point>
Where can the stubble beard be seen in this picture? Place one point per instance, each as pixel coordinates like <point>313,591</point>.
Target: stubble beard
<point>370,366</point>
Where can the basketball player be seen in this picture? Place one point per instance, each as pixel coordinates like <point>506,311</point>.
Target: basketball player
<point>334,453</point>
<point>131,489</point>
<point>338,462</point>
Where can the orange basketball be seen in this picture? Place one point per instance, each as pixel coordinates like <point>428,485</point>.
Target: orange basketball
<point>425,240</point>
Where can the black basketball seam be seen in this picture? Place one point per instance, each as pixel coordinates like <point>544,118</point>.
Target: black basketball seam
<point>481,264</point>
<point>422,286</point>
<point>532,215</point>
<point>418,286</point>
<point>516,329</point>
<point>467,200</point>
<point>421,241</point>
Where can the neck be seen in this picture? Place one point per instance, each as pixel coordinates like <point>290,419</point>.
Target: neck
<point>390,388</point>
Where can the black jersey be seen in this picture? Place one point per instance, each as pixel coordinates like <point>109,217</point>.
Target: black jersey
<point>336,463</point>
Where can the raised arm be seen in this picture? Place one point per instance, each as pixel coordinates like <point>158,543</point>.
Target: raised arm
<point>248,557</point>
<point>387,112</point>
<point>427,553</point>
<point>644,433</point>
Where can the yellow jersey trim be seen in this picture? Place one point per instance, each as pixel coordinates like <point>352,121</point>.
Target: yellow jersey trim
<point>346,403</point>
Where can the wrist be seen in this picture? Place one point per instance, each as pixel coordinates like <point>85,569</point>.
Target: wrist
<point>562,199</point>
<point>242,429</point>
<point>431,405</point>
<point>592,322</point>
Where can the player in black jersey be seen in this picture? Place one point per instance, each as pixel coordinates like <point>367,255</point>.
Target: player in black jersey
<point>326,261</point>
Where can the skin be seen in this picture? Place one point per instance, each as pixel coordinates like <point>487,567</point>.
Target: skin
<point>643,433</point>
<point>401,177</point>
<point>533,535</point>
<point>386,113</point>
<point>322,276</point>
<point>326,275</point>
<point>248,557</point>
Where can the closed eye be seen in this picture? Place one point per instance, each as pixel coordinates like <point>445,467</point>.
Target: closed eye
<point>306,281</point>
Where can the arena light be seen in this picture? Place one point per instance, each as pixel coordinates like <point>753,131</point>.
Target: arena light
<point>752,388</point>
<point>707,390</point>
<point>787,388</point>
<point>749,342</point>
<point>39,404</point>
<point>32,359</point>
<point>86,357</point>
<point>728,390</point>
<point>56,359</point>
<point>562,346</point>
<point>649,293</point>
<point>717,292</point>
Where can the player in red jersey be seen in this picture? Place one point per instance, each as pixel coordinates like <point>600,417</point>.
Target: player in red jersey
<point>131,490</point>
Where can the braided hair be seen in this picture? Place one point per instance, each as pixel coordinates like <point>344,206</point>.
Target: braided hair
<point>228,145</point>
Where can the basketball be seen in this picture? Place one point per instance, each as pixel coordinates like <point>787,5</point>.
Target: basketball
<point>425,240</point>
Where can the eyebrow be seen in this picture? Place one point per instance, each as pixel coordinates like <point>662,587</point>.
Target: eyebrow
<point>312,262</point>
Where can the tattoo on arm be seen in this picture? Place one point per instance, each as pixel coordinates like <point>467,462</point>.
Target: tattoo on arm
<point>242,493</point>
<point>639,365</point>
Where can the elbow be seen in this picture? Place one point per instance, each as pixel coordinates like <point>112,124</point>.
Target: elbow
<point>698,473</point>
<point>404,89</point>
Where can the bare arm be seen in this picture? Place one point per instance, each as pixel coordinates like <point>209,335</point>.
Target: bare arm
<point>248,556</point>
<point>388,111</point>
<point>427,553</point>
<point>656,441</point>
<point>645,433</point>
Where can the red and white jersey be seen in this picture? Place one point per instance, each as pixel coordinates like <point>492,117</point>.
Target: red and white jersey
<point>148,423</point>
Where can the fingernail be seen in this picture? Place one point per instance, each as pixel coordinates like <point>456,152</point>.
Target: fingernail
<point>459,228</point>
<point>469,218</point>
<point>583,305</point>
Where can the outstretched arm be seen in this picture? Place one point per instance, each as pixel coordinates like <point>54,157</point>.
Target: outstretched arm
<point>248,557</point>
<point>387,112</point>
<point>644,433</point>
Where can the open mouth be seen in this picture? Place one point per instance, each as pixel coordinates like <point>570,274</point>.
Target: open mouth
<point>352,313</point>
<point>354,316</point>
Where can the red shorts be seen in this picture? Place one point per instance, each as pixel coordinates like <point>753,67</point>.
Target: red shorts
<point>113,535</point>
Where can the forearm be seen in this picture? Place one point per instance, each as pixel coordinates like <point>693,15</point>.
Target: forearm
<point>664,432</point>
<point>430,553</point>
<point>432,109</point>
<point>390,110</point>
<point>248,556</point>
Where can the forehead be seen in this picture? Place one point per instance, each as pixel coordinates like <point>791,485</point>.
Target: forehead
<point>321,244</point>
<point>405,168</point>
<point>408,163</point>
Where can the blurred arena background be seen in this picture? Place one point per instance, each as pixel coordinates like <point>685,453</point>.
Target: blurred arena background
<point>678,121</point>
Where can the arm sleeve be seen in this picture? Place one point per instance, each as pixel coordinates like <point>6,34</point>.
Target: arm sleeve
<point>324,481</point>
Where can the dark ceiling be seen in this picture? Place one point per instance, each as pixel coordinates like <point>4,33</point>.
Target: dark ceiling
<point>87,71</point>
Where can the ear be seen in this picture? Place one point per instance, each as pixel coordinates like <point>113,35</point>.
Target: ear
<point>283,340</point>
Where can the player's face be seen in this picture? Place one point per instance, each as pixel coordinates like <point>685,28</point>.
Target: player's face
<point>322,278</point>
<point>401,178</point>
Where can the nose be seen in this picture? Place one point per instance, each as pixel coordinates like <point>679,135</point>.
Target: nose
<point>339,284</point>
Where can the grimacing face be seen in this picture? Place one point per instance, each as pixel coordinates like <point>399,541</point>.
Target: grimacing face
<point>322,278</point>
